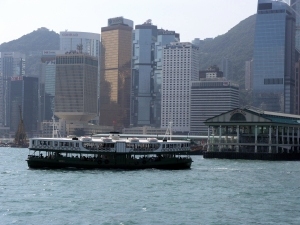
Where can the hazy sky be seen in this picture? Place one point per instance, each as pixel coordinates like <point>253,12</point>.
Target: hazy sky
<point>190,18</point>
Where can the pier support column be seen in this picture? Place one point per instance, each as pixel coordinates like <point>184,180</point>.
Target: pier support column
<point>238,138</point>
<point>220,136</point>
<point>293,140</point>
<point>277,139</point>
<point>298,137</point>
<point>255,133</point>
<point>282,137</point>
<point>226,137</point>
<point>208,139</point>
<point>288,138</point>
<point>270,139</point>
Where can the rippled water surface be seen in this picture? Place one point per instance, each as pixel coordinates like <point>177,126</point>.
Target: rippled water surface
<point>213,191</point>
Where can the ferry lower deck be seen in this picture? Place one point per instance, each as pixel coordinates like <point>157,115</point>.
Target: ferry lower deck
<point>41,159</point>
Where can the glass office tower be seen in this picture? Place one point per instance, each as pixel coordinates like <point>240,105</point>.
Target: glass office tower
<point>148,45</point>
<point>47,84</point>
<point>115,73</point>
<point>142,74</point>
<point>12,64</point>
<point>24,94</point>
<point>274,57</point>
<point>295,4</point>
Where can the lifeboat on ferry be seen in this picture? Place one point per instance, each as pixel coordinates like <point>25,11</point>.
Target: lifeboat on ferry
<point>86,138</point>
<point>106,139</point>
<point>152,139</point>
<point>133,139</point>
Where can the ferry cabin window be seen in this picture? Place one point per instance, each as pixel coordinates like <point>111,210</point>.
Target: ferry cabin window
<point>77,144</point>
<point>32,142</point>
<point>55,143</point>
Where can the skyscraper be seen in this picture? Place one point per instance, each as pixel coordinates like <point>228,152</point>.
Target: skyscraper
<point>164,37</point>
<point>295,4</point>
<point>248,75</point>
<point>210,96</point>
<point>47,84</point>
<point>180,67</point>
<point>225,67</point>
<point>12,64</point>
<point>147,73</point>
<point>273,60</point>
<point>76,87</point>
<point>24,94</point>
<point>115,75</point>
<point>145,36</point>
<point>85,42</point>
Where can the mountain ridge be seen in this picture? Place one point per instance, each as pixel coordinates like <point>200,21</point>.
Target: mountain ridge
<point>236,45</point>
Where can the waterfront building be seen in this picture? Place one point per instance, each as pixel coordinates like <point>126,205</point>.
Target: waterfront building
<point>210,96</point>
<point>180,67</point>
<point>75,87</point>
<point>274,57</point>
<point>248,75</point>
<point>115,74</point>
<point>253,134</point>
<point>148,42</point>
<point>12,64</point>
<point>24,96</point>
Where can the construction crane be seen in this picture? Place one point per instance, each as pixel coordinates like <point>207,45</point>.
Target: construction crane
<point>20,136</point>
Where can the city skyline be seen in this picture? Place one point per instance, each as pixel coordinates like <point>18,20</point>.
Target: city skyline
<point>205,18</point>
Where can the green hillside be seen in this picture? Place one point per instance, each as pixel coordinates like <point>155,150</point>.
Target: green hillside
<point>236,45</point>
<point>32,45</point>
<point>38,40</point>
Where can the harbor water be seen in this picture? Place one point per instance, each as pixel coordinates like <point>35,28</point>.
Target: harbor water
<point>213,191</point>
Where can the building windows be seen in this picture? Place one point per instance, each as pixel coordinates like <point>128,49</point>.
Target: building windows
<point>273,81</point>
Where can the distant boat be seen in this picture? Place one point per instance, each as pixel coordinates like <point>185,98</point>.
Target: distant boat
<point>20,136</point>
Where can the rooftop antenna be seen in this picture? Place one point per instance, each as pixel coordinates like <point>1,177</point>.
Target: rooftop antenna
<point>79,48</point>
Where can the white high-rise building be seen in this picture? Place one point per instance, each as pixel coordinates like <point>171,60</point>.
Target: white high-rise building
<point>180,67</point>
